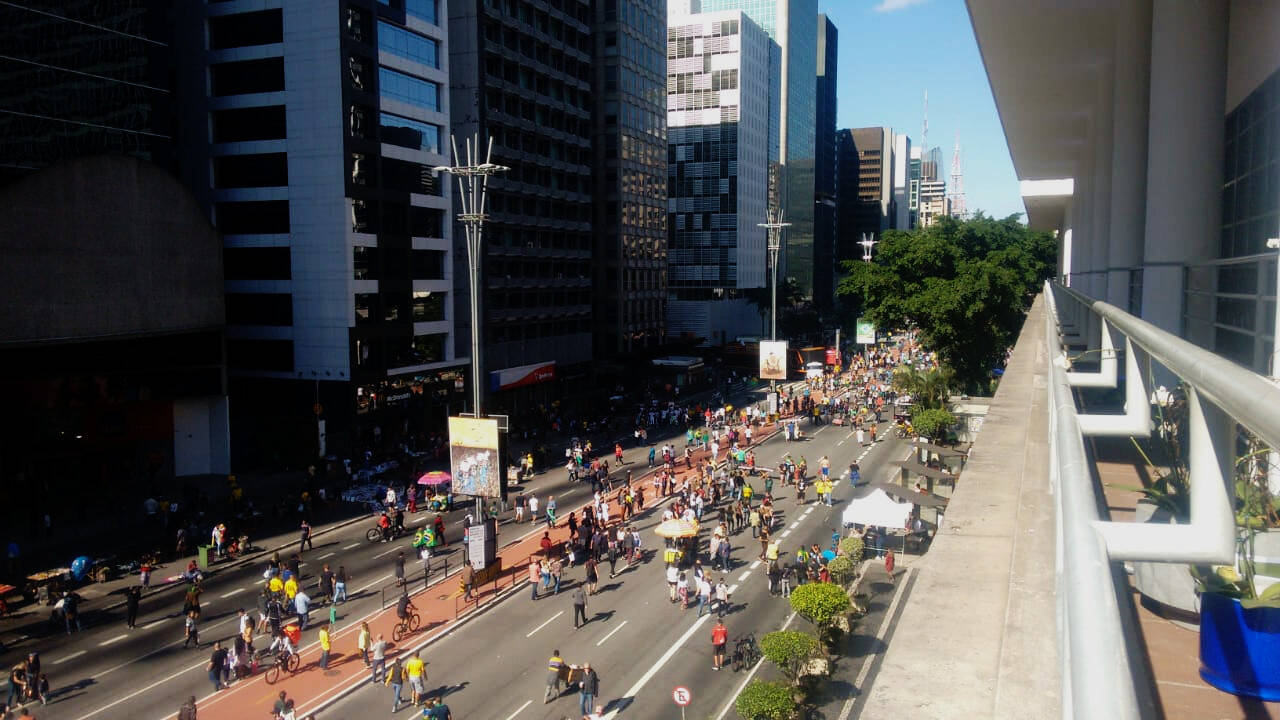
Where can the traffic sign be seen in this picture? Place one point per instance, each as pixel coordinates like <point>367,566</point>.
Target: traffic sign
<point>681,695</point>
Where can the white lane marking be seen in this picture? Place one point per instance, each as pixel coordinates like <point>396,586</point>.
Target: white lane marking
<point>233,592</point>
<point>548,622</point>
<point>154,624</point>
<point>809,510</point>
<point>734,697</point>
<point>526,704</point>
<point>115,639</point>
<point>755,565</point>
<point>745,574</point>
<point>72,656</point>
<point>351,546</point>
<point>884,623</point>
<point>388,552</point>
<point>794,525</point>
<point>326,555</point>
<point>733,588</point>
<point>611,632</point>
<point>671,651</point>
<point>785,533</point>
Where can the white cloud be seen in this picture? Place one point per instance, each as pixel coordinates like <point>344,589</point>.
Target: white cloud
<point>894,5</point>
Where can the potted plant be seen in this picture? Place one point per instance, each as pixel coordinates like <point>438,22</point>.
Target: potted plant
<point>1239,616</point>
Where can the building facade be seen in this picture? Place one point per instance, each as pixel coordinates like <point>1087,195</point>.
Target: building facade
<point>793,25</point>
<point>866,206</point>
<point>933,202</point>
<point>521,76</point>
<point>824,182</point>
<point>901,219</point>
<point>913,188</point>
<point>323,121</point>
<point>629,176</point>
<point>719,107</point>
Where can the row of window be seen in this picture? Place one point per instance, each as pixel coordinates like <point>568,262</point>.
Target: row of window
<point>406,132</point>
<point>426,10</point>
<point>408,45</point>
<point>406,88</point>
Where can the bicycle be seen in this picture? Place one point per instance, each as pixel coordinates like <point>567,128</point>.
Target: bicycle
<point>409,624</point>
<point>290,663</point>
<point>746,652</point>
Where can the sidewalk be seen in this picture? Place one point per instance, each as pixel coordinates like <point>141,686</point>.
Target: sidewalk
<point>441,611</point>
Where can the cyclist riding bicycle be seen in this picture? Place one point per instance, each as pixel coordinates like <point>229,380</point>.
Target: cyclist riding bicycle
<point>282,647</point>
<point>404,606</point>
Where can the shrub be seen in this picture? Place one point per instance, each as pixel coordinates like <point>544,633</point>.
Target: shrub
<point>790,650</point>
<point>852,548</point>
<point>819,603</point>
<point>842,571</point>
<point>933,423</point>
<point>761,700</point>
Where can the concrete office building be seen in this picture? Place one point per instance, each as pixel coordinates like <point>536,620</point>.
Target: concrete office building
<point>1170,164</point>
<point>112,335</point>
<point>629,170</point>
<point>866,204</point>
<point>793,25</point>
<point>719,109</point>
<point>824,179</point>
<point>933,202</point>
<point>323,120</point>
<point>521,75</point>
<point>901,183</point>
<point>913,188</point>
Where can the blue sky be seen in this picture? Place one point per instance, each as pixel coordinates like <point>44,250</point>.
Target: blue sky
<point>890,52</point>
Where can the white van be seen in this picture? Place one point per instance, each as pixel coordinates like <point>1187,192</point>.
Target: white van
<point>814,370</point>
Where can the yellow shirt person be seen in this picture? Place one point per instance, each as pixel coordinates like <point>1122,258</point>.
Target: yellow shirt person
<point>290,588</point>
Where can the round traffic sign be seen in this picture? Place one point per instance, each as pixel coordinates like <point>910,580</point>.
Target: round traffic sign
<point>681,695</point>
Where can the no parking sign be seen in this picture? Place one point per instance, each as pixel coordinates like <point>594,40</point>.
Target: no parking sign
<point>682,696</point>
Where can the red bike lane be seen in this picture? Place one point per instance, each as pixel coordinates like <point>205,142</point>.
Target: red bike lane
<point>439,606</point>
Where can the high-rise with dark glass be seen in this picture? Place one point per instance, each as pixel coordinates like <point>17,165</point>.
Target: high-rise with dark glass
<point>629,175</point>
<point>793,25</point>
<point>322,121</point>
<point>824,180</point>
<point>521,76</point>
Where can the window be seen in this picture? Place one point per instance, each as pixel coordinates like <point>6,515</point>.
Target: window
<point>428,264</point>
<point>428,306</point>
<point>256,263</point>
<point>426,222</point>
<point>244,171</point>
<point>364,261</point>
<point>253,217</point>
<point>428,10</point>
<point>408,177</point>
<point>276,355</point>
<point>246,29</point>
<point>409,89</point>
<point>408,133</point>
<point>408,45</point>
<point>366,309</point>
<point>248,76</point>
<point>247,124</point>
<point>260,309</point>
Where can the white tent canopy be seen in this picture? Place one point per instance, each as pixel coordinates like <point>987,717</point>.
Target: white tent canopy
<point>877,508</point>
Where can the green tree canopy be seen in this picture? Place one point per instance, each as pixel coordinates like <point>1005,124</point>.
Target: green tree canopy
<point>819,603</point>
<point>966,285</point>
<point>761,700</point>
<point>790,650</point>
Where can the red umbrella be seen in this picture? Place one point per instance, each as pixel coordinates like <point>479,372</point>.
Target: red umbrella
<point>435,477</point>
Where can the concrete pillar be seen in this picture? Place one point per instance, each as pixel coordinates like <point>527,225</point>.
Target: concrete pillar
<point>1129,146</point>
<point>1184,150</point>
<point>1101,129</point>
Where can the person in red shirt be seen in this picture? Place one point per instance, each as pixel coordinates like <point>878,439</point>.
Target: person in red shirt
<point>719,639</point>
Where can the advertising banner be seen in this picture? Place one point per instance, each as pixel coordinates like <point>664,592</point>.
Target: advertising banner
<point>521,376</point>
<point>473,457</point>
<point>833,356</point>
<point>866,332</point>
<point>773,360</point>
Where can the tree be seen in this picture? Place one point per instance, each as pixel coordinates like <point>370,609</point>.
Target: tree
<point>932,423</point>
<point>842,570</point>
<point>790,650</point>
<point>852,549</point>
<point>928,388</point>
<point>965,285</point>
<point>761,700</point>
<point>819,603</point>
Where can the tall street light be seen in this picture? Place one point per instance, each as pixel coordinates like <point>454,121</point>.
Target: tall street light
<point>774,227</point>
<point>473,183</point>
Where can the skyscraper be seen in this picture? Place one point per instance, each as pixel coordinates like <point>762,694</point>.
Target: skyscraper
<point>793,25</point>
<point>324,120</point>
<point>521,75</point>
<point>718,171</point>
<point>901,219</point>
<point>629,175</point>
<point>866,202</point>
<point>824,181</point>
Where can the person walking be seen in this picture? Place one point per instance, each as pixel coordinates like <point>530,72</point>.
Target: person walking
<point>132,597</point>
<point>302,605</point>
<point>468,579</point>
<point>579,607</point>
<point>593,576</point>
<point>379,650</point>
<point>533,508</point>
<point>555,664</point>
<point>889,562</point>
<point>326,585</point>
<point>304,542</point>
<point>557,570</point>
<point>722,598</point>
<point>340,585</point>
<point>362,642</point>
<point>400,569</point>
<point>415,669</point>
<point>719,639</point>
<point>326,644</point>
<point>217,661</point>
<point>589,687</point>
<point>395,679</point>
<point>192,633</point>
<point>535,575</point>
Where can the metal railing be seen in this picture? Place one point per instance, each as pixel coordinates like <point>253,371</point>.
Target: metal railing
<point>1097,678</point>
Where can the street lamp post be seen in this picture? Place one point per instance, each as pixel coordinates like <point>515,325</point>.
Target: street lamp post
<point>473,183</point>
<point>774,227</point>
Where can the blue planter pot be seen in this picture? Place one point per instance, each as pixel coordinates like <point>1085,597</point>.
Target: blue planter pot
<point>1240,648</point>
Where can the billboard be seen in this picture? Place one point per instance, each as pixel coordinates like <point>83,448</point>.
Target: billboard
<point>521,376</point>
<point>866,332</point>
<point>773,360</point>
<point>473,457</point>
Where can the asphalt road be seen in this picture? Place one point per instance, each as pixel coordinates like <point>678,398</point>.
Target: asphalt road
<point>640,644</point>
<point>110,671</point>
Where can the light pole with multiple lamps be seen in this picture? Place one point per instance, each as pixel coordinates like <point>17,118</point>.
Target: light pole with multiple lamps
<point>774,227</point>
<point>473,183</point>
